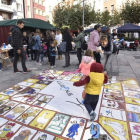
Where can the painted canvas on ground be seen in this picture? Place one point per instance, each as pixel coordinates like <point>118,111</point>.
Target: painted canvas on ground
<point>58,123</point>
<point>75,128</point>
<point>113,104</point>
<point>43,136</point>
<point>117,129</point>
<point>58,138</point>
<point>3,97</point>
<point>132,94</point>
<point>38,77</point>
<point>2,121</point>
<point>130,84</point>
<point>28,115</point>
<point>43,100</point>
<point>42,119</point>
<point>113,113</point>
<point>115,86</point>
<point>133,108</point>
<point>38,86</point>
<point>8,130</point>
<point>2,102</point>
<point>12,91</point>
<point>133,117</point>
<point>72,97</point>
<point>26,98</point>
<point>25,84</point>
<point>135,137</point>
<point>7,107</point>
<point>60,77</point>
<point>69,77</point>
<point>132,101</point>
<point>94,131</point>
<point>15,112</point>
<point>31,81</point>
<point>24,132</point>
<point>135,128</point>
<point>29,90</point>
<point>113,96</point>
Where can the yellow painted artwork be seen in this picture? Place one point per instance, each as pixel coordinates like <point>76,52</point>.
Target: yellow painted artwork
<point>3,97</point>
<point>31,81</point>
<point>42,119</point>
<point>117,129</point>
<point>115,86</point>
<point>59,72</point>
<point>76,78</point>
<point>130,84</point>
<point>38,86</point>
<point>132,101</point>
<point>58,138</point>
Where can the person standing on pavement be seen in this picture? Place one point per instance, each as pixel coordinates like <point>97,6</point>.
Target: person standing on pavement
<point>17,44</point>
<point>68,39</point>
<point>79,41</point>
<point>26,42</point>
<point>58,38</point>
<point>49,40</point>
<point>94,42</point>
<point>37,46</point>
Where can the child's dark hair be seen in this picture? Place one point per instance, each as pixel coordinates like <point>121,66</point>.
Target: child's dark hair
<point>81,28</point>
<point>104,38</point>
<point>89,53</point>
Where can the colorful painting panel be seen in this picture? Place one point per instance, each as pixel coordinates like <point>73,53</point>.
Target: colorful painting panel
<point>118,130</point>
<point>7,107</point>
<point>2,121</point>
<point>43,136</point>
<point>24,132</point>
<point>17,111</point>
<point>38,86</point>
<point>57,124</point>
<point>8,130</point>
<point>28,115</point>
<point>75,128</point>
<point>112,113</point>
<point>42,119</point>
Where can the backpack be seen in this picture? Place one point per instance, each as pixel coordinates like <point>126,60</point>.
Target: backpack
<point>84,45</point>
<point>33,41</point>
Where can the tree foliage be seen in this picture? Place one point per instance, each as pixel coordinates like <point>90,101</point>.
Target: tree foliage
<point>73,16</point>
<point>131,12</point>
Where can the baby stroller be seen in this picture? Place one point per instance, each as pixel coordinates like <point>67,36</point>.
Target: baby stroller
<point>132,46</point>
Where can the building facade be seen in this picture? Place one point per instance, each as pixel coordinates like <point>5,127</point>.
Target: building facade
<point>35,9</point>
<point>11,9</point>
<point>111,5</point>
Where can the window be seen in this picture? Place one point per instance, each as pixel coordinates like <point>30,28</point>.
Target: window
<point>28,8</point>
<point>39,12</point>
<point>42,2</point>
<point>112,9</point>
<point>4,2</point>
<point>105,8</point>
<point>19,7</point>
<point>50,8</point>
<point>5,16</point>
<point>34,10</point>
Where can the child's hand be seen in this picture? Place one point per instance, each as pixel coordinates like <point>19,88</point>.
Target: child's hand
<point>105,73</point>
<point>74,84</point>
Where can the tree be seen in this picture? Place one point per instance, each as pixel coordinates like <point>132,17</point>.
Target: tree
<point>105,18</point>
<point>131,12</point>
<point>115,18</point>
<point>73,16</point>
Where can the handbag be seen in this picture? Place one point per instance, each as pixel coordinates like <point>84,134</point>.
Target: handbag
<point>62,47</point>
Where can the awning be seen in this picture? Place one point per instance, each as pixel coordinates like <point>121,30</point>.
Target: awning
<point>129,27</point>
<point>29,22</point>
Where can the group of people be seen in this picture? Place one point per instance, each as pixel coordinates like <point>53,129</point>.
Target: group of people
<point>95,74</point>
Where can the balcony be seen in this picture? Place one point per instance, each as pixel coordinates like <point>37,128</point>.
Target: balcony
<point>6,8</point>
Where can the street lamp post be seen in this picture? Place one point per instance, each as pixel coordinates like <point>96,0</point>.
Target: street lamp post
<point>83,12</point>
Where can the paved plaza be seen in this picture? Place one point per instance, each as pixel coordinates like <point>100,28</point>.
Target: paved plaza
<point>126,64</point>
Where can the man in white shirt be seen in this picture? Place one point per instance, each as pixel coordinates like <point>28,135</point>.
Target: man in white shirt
<point>58,38</point>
